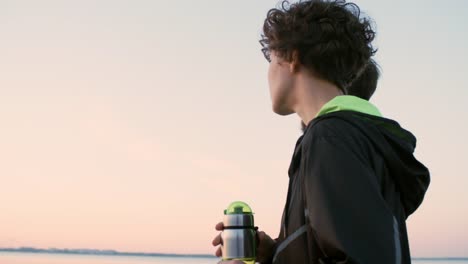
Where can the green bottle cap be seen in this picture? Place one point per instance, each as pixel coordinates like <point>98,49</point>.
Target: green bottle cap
<point>238,207</point>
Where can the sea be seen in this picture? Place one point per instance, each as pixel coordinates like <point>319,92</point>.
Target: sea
<point>53,258</point>
<point>47,258</point>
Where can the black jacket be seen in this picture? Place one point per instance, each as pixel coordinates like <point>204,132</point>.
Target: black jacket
<point>353,182</point>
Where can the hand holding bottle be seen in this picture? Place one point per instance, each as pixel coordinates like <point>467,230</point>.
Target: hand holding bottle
<point>265,246</point>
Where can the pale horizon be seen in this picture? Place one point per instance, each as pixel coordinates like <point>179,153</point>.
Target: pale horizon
<point>131,125</point>
<point>93,251</point>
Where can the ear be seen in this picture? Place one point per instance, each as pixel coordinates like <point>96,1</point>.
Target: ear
<point>294,65</point>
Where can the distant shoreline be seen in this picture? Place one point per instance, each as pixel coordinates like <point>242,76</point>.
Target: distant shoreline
<point>144,254</point>
<point>100,252</point>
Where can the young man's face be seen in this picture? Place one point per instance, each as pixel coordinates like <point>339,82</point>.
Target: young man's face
<point>280,81</point>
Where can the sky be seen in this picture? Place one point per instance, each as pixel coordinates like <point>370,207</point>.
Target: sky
<point>131,125</point>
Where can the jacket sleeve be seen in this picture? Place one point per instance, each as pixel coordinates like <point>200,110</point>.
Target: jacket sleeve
<point>350,220</point>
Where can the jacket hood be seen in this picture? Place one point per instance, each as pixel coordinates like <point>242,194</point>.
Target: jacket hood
<point>394,143</point>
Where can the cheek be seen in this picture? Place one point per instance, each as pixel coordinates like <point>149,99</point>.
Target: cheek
<point>272,80</point>
<point>270,74</point>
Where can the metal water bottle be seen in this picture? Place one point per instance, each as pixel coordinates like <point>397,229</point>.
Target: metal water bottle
<point>239,234</point>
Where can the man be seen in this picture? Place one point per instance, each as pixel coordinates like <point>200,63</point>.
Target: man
<point>353,177</point>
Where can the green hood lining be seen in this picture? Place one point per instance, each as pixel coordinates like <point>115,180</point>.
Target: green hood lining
<point>349,103</point>
<point>356,104</point>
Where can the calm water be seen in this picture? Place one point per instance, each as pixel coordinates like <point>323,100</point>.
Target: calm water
<point>43,258</point>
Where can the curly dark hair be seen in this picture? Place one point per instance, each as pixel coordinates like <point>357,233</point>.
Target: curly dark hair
<point>330,38</point>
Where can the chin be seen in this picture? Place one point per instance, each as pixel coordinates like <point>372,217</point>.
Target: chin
<point>282,110</point>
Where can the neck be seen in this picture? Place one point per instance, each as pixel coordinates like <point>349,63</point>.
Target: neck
<point>312,94</point>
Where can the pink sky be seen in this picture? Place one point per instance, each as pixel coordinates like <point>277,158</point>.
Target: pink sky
<point>131,125</point>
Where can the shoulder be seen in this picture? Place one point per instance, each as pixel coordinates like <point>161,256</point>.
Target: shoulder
<point>338,132</point>
<point>333,127</point>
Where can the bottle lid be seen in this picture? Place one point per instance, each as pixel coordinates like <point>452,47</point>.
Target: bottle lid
<point>238,207</point>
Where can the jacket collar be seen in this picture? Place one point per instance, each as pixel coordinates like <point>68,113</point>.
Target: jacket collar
<point>349,103</point>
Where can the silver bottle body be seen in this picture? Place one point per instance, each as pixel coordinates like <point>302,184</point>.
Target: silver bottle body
<point>239,237</point>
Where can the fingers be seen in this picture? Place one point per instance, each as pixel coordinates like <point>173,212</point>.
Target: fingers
<point>261,235</point>
<point>218,252</point>
<point>217,240</point>
<point>219,226</point>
